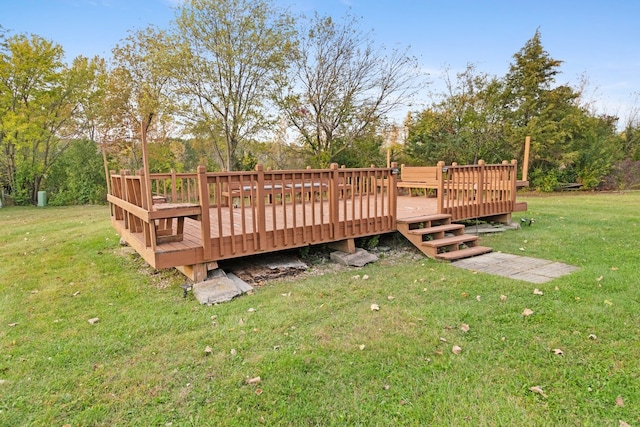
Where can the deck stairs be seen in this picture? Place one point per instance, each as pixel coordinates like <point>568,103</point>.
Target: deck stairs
<point>438,238</point>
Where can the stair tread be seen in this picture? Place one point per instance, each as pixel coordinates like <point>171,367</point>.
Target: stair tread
<point>450,240</point>
<point>423,218</point>
<point>464,253</point>
<point>436,228</point>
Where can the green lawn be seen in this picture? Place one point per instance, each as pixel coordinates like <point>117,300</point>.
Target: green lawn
<point>322,355</point>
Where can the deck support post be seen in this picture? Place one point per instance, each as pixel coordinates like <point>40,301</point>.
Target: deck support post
<point>347,245</point>
<point>197,272</point>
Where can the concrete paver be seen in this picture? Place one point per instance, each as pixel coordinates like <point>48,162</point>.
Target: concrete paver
<point>516,267</point>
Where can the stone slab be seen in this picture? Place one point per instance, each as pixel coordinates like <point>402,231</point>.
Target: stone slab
<point>243,286</point>
<point>359,258</point>
<point>216,290</point>
<point>528,269</point>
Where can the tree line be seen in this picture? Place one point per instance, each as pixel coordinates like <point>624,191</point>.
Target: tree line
<point>231,83</point>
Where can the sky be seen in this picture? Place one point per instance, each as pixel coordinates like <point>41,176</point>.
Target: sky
<point>596,40</point>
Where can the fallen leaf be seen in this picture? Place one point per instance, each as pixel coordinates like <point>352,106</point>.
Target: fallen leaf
<point>522,249</point>
<point>259,391</point>
<point>614,268</point>
<point>527,312</point>
<point>623,424</point>
<point>439,352</point>
<point>599,278</point>
<point>365,277</point>
<point>390,297</point>
<point>93,320</point>
<point>538,389</point>
<point>386,387</point>
<point>233,352</point>
<point>375,307</point>
<point>240,322</point>
<point>464,295</point>
<point>557,352</point>
<point>619,401</point>
<point>251,310</point>
<point>207,350</point>
<point>503,298</point>
<point>608,302</point>
<point>361,347</point>
<point>356,277</point>
<point>456,349</point>
<point>13,324</point>
<point>464,327</point>
<point>537,291</point>
<point>443,339</point>
<point>35,291</point>
<point>593,337</point>
<point>478,297</point>
<point>254,380</point>
<point>76,293</point>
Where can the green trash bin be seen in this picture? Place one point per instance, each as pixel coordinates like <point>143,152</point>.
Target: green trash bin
<point>42,199</point>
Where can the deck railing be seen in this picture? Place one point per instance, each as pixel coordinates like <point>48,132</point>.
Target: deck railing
<point>476,191</point>
<point>243,213</point>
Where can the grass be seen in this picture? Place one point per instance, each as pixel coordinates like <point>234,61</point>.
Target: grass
<point>144,362</point>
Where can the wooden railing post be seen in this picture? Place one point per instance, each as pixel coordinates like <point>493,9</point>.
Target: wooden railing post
<point>478,197</point>
<point>174,190</point>
<point>205,221</point>
<point>334,217</point>
<point>513,176</point>
<point>261,210</point>
<point>148,228</point>
<point>440,179</point>
<point>110,190</point>
<point>393,194</point>
<point>525,161</point>
<point>123,194</point>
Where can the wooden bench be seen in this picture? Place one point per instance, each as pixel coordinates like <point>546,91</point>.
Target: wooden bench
<point>418,177</point>
<point>163,215</point>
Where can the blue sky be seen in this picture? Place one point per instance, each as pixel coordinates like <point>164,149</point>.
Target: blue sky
<point>596,39</point>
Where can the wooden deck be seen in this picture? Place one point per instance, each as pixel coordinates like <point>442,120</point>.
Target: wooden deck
<point>237,242</point>
<point>192,219</point>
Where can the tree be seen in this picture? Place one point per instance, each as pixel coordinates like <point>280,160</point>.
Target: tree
<point>535,107</point>
<point>138,101</point>
<point>342,87</point>
<point>231,55</point>
<point>38,101</point>
<point>464,127</point>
